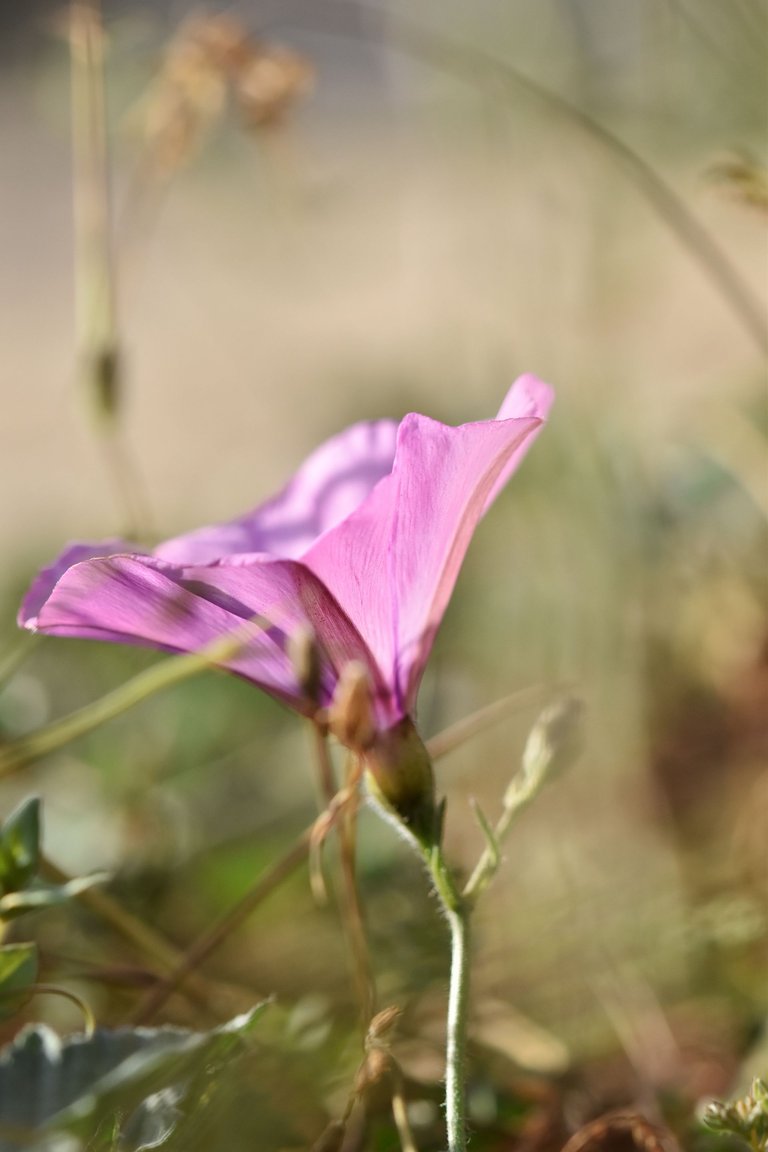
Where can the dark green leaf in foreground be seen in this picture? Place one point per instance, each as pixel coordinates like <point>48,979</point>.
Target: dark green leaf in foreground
<point>21,890</point>
<point>20,846</point>
<point>144,1078</point>
<point>18,971</point>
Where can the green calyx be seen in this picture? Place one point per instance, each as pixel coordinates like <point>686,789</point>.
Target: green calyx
<point>399,775</point>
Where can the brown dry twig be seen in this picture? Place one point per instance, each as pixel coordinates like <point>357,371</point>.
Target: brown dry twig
<point>646,1137</point>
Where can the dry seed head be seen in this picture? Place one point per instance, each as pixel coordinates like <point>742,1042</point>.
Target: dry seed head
<point>382,1026</point>
<point>206,59</point>
<point>270,83</point>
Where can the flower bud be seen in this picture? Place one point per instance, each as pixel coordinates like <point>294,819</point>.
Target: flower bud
<point>554,741</point>
<point>350,716</point>
<point>399,774</point>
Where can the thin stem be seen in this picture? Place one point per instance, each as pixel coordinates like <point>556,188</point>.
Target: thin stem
<point>363,970</point>
<point>95,276</point>
<point>166,674</point>
<point>456,1052</point>
<point>400,1111</point>
<point>457,912</point>
<point>326,781</point>
<point>514,804</point>
<point>16,657</point>
<point>553,743</point>
<point>468,726</point>
<point>351,910</point>
<point>89,1026</point>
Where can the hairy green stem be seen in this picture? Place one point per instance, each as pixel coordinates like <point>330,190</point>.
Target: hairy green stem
<point>456,1051</point>
<point>457,913</point>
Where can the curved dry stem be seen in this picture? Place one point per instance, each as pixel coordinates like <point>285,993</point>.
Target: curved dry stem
<point>54,990</point>
<point>464,729</point>
<point>166,674</point>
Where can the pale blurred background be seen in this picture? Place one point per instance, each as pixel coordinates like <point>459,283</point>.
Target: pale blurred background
<point>418,227</point>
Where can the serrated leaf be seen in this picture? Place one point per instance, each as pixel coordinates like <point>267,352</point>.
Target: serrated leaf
<point>18,971</point>
<point>48,1084</point>
<point>20,846</point>
<point>42,895</point>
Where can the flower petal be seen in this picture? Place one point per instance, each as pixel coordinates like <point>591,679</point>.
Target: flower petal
<point>329,485</point>
<point>528,397</point>
<point>48,577</point>
<point>393,563</point>
<point>141,600</point>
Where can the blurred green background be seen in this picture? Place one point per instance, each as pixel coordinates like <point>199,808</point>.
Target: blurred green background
<point>435,208</point>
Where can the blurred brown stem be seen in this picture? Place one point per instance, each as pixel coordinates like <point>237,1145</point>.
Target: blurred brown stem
<point>16,657</point>
<point>54,990</point>
<point>130,927</point>
<point>457,734</point>
<point>206,944</point>
<point>351,910</point>
<point>97,334</point>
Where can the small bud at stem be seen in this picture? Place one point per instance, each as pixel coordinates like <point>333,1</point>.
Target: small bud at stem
<point>554,742</point>
<point>399,774</point>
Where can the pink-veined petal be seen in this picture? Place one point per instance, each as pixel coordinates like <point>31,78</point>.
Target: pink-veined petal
<point>47,578</point>
<point>393,563</point>
<point>140,600</point>
<point>528,397</point>
<point>328,486</point>
<point>292,595</point>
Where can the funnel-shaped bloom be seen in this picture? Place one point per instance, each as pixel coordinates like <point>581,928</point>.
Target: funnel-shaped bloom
<point>363,546</point>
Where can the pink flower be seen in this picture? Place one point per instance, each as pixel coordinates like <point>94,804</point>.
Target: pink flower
<point>363,546</point>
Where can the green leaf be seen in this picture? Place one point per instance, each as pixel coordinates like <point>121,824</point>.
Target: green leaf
<point>491,839</point>
<point>151,1077</point>
<point>20,846</point>
<point>42,895</point>
<point>18,971</point>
